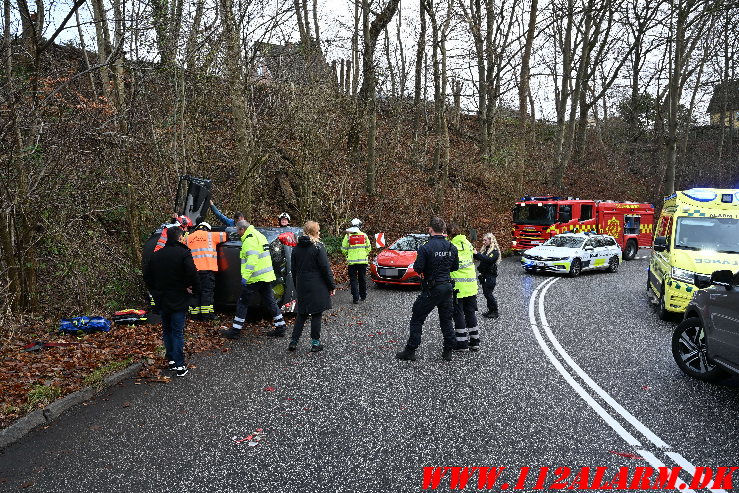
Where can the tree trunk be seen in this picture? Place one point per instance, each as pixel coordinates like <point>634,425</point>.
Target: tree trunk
<point>523,88</point>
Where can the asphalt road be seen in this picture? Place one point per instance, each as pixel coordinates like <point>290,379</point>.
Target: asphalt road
<point>591,383</point>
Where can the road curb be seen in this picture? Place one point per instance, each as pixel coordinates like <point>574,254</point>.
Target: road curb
<point>44,416</point>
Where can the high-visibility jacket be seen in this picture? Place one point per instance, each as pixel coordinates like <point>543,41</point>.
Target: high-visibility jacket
<point>256,261</point>
<point>356,248</point>
<point>202,244</point>
<point>465,279</point>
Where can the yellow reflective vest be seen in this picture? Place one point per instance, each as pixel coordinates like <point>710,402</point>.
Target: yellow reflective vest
<point>256,261</point>
<point>465,279</point>
<point>356,248</point>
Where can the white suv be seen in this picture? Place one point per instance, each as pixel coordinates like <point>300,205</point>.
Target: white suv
<point>573,253</point>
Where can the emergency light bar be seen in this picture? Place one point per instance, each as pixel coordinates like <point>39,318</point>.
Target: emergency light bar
<point>701,194</point>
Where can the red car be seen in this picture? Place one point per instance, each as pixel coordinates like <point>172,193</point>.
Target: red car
<point>394,265</point>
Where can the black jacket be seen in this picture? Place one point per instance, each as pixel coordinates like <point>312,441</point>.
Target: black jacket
<point>488,263</point>
<point>169,273</point>
<point>436,259</point>
<point>312,276</point>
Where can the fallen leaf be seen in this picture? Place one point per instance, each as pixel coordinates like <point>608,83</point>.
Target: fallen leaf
<point>27,484</point>
<point>269,389</point>
<point>126,404</point>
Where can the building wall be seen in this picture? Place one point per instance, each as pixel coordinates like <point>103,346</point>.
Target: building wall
<point>731,119</point>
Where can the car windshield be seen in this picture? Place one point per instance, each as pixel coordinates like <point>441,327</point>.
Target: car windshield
<point>565,242</point>
<point>409,243</point>
<point>720,234</point>
<point>534,214</point>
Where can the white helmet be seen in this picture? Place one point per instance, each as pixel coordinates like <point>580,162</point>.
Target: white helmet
<point>204,225</point>
<point>357,223</point>
<point>285,215</point>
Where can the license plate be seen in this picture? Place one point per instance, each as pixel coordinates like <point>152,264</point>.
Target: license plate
<point>388,272</point>
<point>541,264</point>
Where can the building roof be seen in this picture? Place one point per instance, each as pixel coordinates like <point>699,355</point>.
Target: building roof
<point>725,92</point>
<point>291,62</point>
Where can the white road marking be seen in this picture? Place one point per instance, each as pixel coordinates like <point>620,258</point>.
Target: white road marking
<point>656,463</point>
<point>610,420</point>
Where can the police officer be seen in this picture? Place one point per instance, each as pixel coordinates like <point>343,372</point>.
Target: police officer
<point>435,260</point>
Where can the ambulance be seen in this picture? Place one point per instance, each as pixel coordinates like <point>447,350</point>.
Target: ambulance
<point>697,234</point>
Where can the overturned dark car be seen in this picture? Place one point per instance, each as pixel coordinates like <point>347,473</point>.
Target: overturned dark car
<point>193,201</point>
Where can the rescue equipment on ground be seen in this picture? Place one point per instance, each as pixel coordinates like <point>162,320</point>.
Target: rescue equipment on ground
<point>133,316</point>
<point>39,345</point>
<point>84,325</point>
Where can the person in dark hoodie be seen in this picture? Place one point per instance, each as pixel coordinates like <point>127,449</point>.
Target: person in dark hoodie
<point>489,257</point>
<point>171,278</point>
<point>314,284</point>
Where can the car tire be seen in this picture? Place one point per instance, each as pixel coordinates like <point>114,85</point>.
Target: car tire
<point>630,250</point>
<point>575,268</point>
<point>662,306</point>
<point>689,351</point>
<point>613,264</point>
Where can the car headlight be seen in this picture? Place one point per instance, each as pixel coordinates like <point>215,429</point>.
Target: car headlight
<point>683,275</point>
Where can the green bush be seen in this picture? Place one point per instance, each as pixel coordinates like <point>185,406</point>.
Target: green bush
<point>333,244</point>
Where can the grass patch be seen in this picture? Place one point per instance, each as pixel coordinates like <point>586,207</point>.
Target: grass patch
<point>42,395</point>
<point>95,379</point>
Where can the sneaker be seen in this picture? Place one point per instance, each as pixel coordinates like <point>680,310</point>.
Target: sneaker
<point>292,346</point>
<point>406,355</point>
<point>276,333</point>
<point>180,371</point>
<point>314,348</point>
<point>171,366</point>
<point>230,333</point>
<point>446,354</point>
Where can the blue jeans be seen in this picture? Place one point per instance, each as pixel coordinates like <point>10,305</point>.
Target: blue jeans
<point>173,334</point>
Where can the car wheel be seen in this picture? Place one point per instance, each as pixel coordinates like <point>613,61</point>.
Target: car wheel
<point>630,250</point>
<point>613,264</point>
<point>689,351</point>
<point>575,268</point>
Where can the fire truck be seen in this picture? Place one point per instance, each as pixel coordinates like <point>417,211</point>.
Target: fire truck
<point>536,219</point>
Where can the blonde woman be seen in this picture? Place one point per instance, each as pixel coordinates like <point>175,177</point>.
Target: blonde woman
<point>314,283</point>
<point>489,257</point>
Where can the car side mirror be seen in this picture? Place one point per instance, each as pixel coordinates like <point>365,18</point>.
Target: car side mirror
<point>723,278</point>
<point>702,282</point>
<point>660,244</point>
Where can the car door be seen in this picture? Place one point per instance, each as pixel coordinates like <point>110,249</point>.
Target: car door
<point>590,254</point>
<point>723,311</point>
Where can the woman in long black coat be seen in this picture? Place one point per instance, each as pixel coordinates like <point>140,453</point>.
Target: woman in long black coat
<point>489,257</point>
<point>314,283</point>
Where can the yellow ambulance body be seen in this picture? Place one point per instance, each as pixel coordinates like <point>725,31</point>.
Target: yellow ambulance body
<point>697,234</point>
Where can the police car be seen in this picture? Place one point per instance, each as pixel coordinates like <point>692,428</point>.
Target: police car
<point>573,253</point>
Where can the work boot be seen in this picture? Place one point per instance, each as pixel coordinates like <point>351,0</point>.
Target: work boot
<point>475,345</point>
<point>494,314</point>
<point>355,301</point>
<point>407,354</point>
<point>292,346</point>
<point>230,333</point>
<point>446,354</point>
<point>280,332</point>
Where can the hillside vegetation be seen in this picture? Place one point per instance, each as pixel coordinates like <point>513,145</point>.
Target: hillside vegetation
<point>82,196</point>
